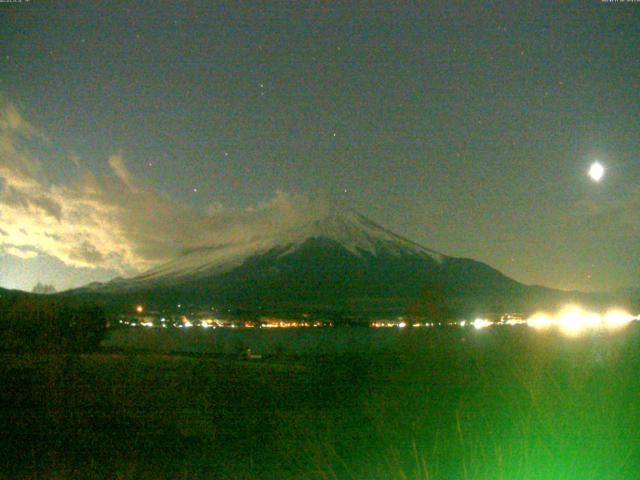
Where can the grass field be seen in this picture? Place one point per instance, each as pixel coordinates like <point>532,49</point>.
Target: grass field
<point>502,403</point>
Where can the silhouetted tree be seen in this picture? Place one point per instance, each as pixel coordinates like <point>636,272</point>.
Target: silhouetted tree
<point>432,304</point>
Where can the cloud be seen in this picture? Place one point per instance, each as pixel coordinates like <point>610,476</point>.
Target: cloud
<point>618,217</point>
<point>18,252</point>
<point>117,165</point>
<point>75,159</point>
<point>215,208</point>
<point>116,221</point>
<point>11,120</point>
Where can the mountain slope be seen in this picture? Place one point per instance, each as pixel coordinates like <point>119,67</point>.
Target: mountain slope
<point>353,232</point>
<point>339,261</point>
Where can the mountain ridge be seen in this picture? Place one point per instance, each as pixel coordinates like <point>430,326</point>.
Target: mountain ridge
<point>338,261</point>
<point>356,233</point>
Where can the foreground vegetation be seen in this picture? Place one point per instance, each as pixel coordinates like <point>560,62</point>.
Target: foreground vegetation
<point>41,323</point>
<point>443,404</point>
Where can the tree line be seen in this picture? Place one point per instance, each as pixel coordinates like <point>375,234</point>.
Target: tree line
<point>49,324</point>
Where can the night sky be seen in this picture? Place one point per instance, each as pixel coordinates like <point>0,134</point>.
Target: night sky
<point>468,127</point>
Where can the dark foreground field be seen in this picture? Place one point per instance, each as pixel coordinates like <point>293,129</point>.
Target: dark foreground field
<point>502,403</point>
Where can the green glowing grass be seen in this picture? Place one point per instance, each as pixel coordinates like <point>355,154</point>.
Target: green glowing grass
<point>441,404</point>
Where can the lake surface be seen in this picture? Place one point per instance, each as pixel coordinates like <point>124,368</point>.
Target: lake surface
<point>353,340</point>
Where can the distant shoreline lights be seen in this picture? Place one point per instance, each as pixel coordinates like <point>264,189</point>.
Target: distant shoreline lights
<point>571,320</point>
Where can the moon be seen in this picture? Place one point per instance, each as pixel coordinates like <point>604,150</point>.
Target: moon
<point>596,171</point>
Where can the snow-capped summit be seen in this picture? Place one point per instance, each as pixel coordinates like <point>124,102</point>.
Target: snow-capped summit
<point>347,229</point>
<point>358,234</point>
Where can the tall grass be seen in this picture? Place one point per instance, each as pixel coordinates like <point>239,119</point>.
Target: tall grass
<point>441,404</point>
<point>511,405</point>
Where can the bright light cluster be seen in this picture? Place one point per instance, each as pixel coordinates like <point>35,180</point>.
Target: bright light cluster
<point>573,320</point>
<point>479,323</point>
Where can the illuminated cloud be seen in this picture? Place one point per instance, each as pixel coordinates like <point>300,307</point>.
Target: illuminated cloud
<point>115,222</point>
<point>18,252</point>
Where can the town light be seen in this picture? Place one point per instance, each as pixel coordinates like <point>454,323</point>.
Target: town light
<point>573,320</point>
<point>479,323</point>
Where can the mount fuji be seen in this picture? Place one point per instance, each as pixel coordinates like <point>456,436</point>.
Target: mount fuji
<point>336,261</point>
